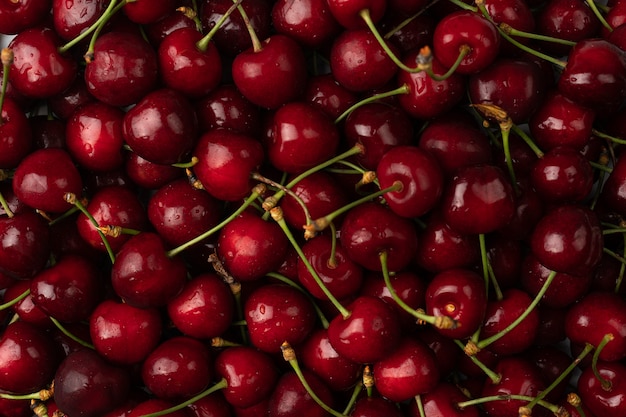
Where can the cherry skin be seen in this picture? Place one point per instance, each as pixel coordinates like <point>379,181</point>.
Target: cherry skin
<point>250,374</point>
<point>26,309</point>
<point>250,247</point>
<point>359,63</point>
<point>568,239</point>
<point>325,93</point>
<point>69,290</point>
<point>307,21</point>
<point>124,334</point>
<point>143,275</point>
<point>348,13</point>
<point>369,334</point>
<point>276,313</point>
<point>477,32</point>
<point>123,69</point>
<point>154,405</point>
<point>600,400</point>
<point>225,161</point>
<point>213,405</point>
<point>29,358</point>
<point>515,13</point>
<point>273,75</point>
<point>74,96</point>
<point>291,399</point>
<point>16,17</point>
<point>24,244</point>
<point>441,401</point>
<point>375,407</point>
<point>71,18</point>
<point>421,178</point>
<point>572,20</point>
<point>408,371</point>
<point>39,69</point>
<point>16,136</point>
<point>149,175</point>
<point>461,295</point>
<point>87,385</point>
<point>144,12</point>
<point>43,178</point>
<point>594,316</point>
<point>227,108</point>
<point>301,137</point>
<point>94,136</point>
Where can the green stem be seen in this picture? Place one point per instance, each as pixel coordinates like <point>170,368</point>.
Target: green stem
<point>256,42</point>
<point>6,56</point>
<point>70,335</point>
<point>5,206</point>
<point>16,300</point>
<point>403,89</point>
<point>218,386</point>
<point>355,395</point>
<point>606,384</point>
<point>190,164</point>
<point>592,5</point>
<point>463,51</point>
<point>71,198</point>
<point>506,145</point>
<point>420,406</point>
<point>494,377</point>
<point>509,30</point>
<point>601,167</point>
<point>293,284</point>
<point>505,397</point>
<point>203,43</point>
<point>111,9</point>
<point>528,140</point>
<point>613,139</point>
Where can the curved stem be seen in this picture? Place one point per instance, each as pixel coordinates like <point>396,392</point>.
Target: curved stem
<point>494,377</point>
<point>592,5</point>
<point>218,386</point>
<point>203,43</point>
<point>98,28</point>
<point>355,395</point>
<point>403,89</point>
<point>106,15</point>
<point>606,384</point>
<point>70,335</point>
<point>256,43</point>
<point>527,139</point>
<point>509,30</point>
<point>291,283</point>
<point>16,300</point>
<point>463,51</point>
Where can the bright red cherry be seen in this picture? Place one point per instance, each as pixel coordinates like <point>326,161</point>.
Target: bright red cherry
<point>72,18</point>
<point>310,22</point>
<point>603,401</point>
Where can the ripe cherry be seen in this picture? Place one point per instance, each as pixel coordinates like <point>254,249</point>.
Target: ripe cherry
<point>24,244</point>
<point>227,108</point>
<point>72,18</point>
<point>442,401</point>
<point>290,399</point>
<point>15,17</point>
<point>571,20</point>
<point>349,13</point>
<point>606,396</point>
<point>16,140</point>
<point>310,22</point>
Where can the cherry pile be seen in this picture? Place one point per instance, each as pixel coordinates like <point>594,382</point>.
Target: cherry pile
<point>313,208</point>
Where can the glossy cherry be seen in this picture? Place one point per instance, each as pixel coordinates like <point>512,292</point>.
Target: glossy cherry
<point>16,140</point>
<point>25,244</point>
<point>227,108</point>
<point>72,18</point>
<point>571,20</point>
<point>375,407</point>
<point>325,93</point>
<point>348,13</point>
<point>149,175</point>
<point>290,399</point>
<point>15,17</point>
<point>595,395</point>
<point>310,22</point>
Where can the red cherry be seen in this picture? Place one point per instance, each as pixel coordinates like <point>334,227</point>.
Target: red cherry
<point>367,406</point>
<point>325,93</point>
<point>348,12</point>
<point>227,108</point>
<point>72,18</point>
<point>26,309</point>
<point>148,11</point>
<point>213,405</point>
<point>291,399</point>
<point>15,17</point>
<point>16,135</point>
<point>595,395</point>
<point>515,13</point>
<point>149,175</point>
<point>24,244</point>
<point>442,401</point>
<point>307,21</point>
<point>571,20</point>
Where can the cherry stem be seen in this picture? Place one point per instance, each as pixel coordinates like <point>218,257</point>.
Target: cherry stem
<point>203,43</point>
<point>463,51</point>
<point>111,9</point>
<point>293,284</point>
<point>42,395</point>
<point>290,356</point>
<point>588,348</point>
<point>494,377</point>
<point>608,137</point>
<point>194,160</point>
<point>14,301</point>
<point>270,202</point>
<point>257,191</point>
<point>463,5</point>
<point>6,57</point>
<point>509,30</point>
<point>605,383</point>
<point>601,167</point>
<point>506,146</point>
<point>332,259</point>
<point>528,140</point>
<point>256,43</point>
<point>277,215</point>
<point>592,5</point>
<point>71,198</point>
<point>368,380</point>
<point>70,335</point>
<point>403,89</point>
<point>408,20</point>
<point>322,223</point>
<point>5,206</point>
<point>420,406</point>
<point>486,342</point>
<point>574,400</point>
<point>506,397</point>
<point>223,383</point>
<point>355,395</point>
<point>440,322</point>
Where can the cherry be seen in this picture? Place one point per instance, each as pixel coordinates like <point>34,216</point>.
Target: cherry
<point>369,334</point>
<point>213,405</point>
<point>515,13</point>
<point>421,178</point>
<point>594,316</point>
<point>307,21</point>
<point>149,175</point>
<point>478,34</point>
<point>461,295</point>
<point>441,402</point>
<point>123,68</point>
<point>112,206</point>
<point>568,239</point>
<point>87,385</point>
<point>325,93</point>
<point>29,358</point>
<point>16,17</point>
<point>124,334</point>
<point>144,12</point>
<point>276,313</point>
<point>226,108</point>
<point>72,18</point>
<point>349,13</point>
<point>225,162</point>
<point>359,63</point>
<point>410,370</point>
<point>16,140</point>
<point>606,396</point>
<point>250,374</point>
<point>40,69</point>
<point>370,229</point>
<point>505,255</point>
<point>378,127</point>
<point>374,407</point>
<point>301,137</point>
<point>94,136</point>
<point>26,309</point>
<point>272,73</point>
<point>291,399</point>
<point>44,177</point>
<point>65,103</point>
<point>552,362</point>
<point>69,290</point>
<point>25,244</point>
<point>15,408</point>
<point>479,199</point>
<point>48,132</point>
<point>571,20</point>
<point>410,35</point>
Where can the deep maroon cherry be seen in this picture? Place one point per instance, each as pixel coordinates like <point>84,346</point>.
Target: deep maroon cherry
<point>595,394</point>
<point>155,405</point>
<point>24,244</point>
<point>43,178</point>
<point>82,379</point>
<point>250,374</point>
<point>123,68</point>
<point>571,20</point>
<point>442,401</point>
<point>369,334</point>
<point>15,17</point>
<point>16,136</point>
<point>307,21</point>
<point>26,309</point>
<point>213,405</point>
<point>29,358</point>
<point>174,20</point>
<point>348,13</point>
<point>149,175</point>
<point>375,407</point>
<point>72,18</point>
<point>74,96</point>
<point>515,13</point>
<point>39,68</point>
<point>325,93</point>
<point>290,399</point>
<point>612,193</point>
<point>48,132</point>
<point>124,334</point>
<point>227,108</point>
<point>410,35</point>
<point>148,11</point>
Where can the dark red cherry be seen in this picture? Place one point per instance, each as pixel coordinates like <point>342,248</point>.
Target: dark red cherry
<point>420,175</point>
<point>572,20</point>
<point>594,316</point>
<point>178,369</point>
<point>410,370</point>
<point>461,295</point>
<point>18,16</point>
<point>148,11</point>
<point>155,405</point>
<point>144,275</point>
<point>359,63</point>
<point>466,29</point>
<point>568,239</point>
<point>69,290</point>
<point>39,68</point>
<point>307,21</point>
<point>325,93</point>
<point>149,175</point>
<point>291,399</point>
<point>43,178</point>
<point>603,401</point>
<point>273,75</point>
<point>213,405</point>
<point>16,135</point>
<point>505,254</point>
<point>74,96</point>
<point>412,34</point>
<point>112,206</point>
<point>225,161</point>
<point>123,68</point>
<point>124,334</point>
<point>515,13</point>
<point>24,244</point>
<point>374,406</point>
<point>370,229</point>
<point>29,358</point>
<point>479,199</point>
<point>442,401</point>
<point>86,385</point>
<point>369,334</point>
<point>250,247</point>
<point>348,13</point>
<point>227,108</point>
<point>612,193</point>
<point>26,309</point>
<point>70,19</point>
<point>94,136</point>
<point>276,313</point>
<point>250,374</point>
